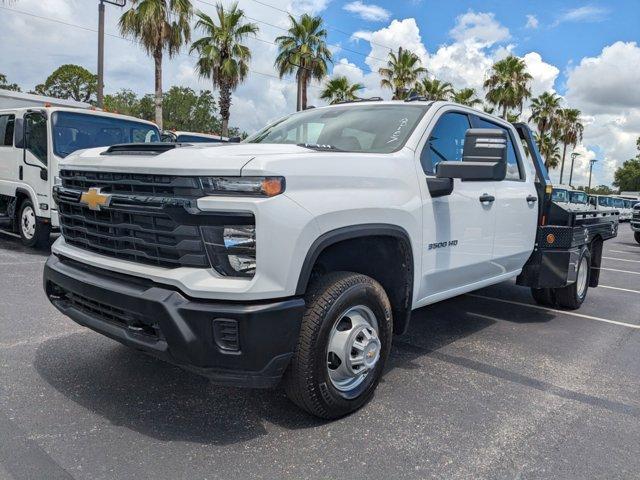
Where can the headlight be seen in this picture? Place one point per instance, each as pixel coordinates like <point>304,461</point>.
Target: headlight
<point>251,186</point>
<point>231,249</point>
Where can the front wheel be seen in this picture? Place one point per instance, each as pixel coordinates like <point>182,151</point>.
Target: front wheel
<point>33,233</point>
<point>636,235</point>
<point>345,339</point>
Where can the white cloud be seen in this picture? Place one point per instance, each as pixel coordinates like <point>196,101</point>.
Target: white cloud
<point>604,89</point>
<point>587,13</point>
<point>370,12</point>
<point>297,7</point>
<point>532,22</point>
<point>544,74</point>
<point>480,28</point>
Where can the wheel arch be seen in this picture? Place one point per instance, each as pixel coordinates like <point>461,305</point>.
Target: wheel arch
<point>360,241</point>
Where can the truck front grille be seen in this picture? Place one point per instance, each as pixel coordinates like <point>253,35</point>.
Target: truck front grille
<point>139,224</point>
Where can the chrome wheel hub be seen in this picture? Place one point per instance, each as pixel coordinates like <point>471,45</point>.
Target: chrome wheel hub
<point>354,348</point>
<point>28,223</point>
<point>583,271</point>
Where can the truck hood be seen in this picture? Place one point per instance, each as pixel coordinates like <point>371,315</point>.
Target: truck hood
<point>218,159</point>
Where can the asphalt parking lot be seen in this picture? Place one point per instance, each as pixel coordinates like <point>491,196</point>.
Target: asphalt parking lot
<point>482,386</point>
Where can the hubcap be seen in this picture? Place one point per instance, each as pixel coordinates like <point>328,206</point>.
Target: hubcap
<point>28,222</point>
<point>354,348</point>
<point>583,270</point>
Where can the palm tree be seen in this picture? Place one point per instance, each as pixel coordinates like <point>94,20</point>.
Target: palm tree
<point>303,51</point>
<point>434,89</point>
<point>339,89</point>
<point>402,71</point>
<point>466,96</point>
<point>544,111</point>
<point>508,84</point>
<point>158,25</point>
<point>222,56</point>
<point>569,131</point>
<point>549,150</point>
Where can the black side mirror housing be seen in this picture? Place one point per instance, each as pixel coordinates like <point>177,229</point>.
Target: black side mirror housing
<point>44,175</point>
<point>235,139</point>
<point>484,157</point>
<point>18,133</point>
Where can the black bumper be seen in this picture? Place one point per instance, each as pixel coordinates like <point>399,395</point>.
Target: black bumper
<point>248,344</point>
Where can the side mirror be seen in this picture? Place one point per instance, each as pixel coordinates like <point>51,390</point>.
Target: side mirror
<point>43,174</point>
<point>18,133</point>
<point>484,157</point>
<point>235,139</point>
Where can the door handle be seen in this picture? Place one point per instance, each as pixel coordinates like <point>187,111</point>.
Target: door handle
<point>532,199</point>
<point>487,198</point>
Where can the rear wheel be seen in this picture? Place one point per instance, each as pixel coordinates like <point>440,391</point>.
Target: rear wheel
<point>344,342</point>
<point>573,295</point>
<point>33,232</point>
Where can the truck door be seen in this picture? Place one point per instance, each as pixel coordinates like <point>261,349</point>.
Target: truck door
<point>516,206</point>
<point>8,155</point>
<point>35,156</point>
<point>458,228</point>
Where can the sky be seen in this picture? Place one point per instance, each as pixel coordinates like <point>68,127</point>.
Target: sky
<point>587,52</point>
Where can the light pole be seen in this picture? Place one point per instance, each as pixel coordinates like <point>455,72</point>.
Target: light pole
<point>591,162</point>
<point>118,3</point>
<point>573,157</point>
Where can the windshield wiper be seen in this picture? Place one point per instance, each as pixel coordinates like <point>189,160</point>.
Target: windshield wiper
<point>320,148</point>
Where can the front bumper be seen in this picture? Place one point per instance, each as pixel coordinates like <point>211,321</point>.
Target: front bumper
<point>240,344</point>
<point>635,225</point>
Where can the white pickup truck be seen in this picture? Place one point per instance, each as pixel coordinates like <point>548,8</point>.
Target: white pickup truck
<point>296,255</point>
<point>33,141</point>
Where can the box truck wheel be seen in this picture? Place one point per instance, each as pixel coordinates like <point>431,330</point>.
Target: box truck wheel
<point>33,232</point>
<point>344,341</point>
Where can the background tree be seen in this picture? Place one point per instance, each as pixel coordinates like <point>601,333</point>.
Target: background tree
<point>222,56</point>
<point>70,82</point>
<point>466,96</point>
<point>402,72</point>
<point>125,102</point>
<point>158,25</point>
<point>339,89</point>
<point>549,150</point>
<point>303,51</point>
<point>184,109</point>
<point>5,85</point>
<point>434,89</point>
<point>627,177</point>
<point>567,129</point>
<point>508,84</point>
<point>544,111</point>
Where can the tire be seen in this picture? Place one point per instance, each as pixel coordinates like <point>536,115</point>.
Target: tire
<point>339,305</point>
<point>572,296</point>
<point>33,232</point>
<point>636,235</point>
<point>543,296</point>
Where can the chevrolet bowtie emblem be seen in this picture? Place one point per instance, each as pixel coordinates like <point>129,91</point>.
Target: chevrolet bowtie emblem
<point>95,200</point>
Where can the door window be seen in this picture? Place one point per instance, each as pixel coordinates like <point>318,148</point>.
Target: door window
<point>446,141</point>
<point>36,140</point>
<point>7,123</point>
<point>513,168</point>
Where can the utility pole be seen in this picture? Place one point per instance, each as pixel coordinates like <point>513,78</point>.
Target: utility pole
<point>591,162</point>
<point>118,3</point>
<point>573,157</point>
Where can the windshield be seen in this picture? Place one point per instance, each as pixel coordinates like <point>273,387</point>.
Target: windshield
<point>559,195</point>
<point>618,203</point>
<point>361,128</point>
<point>578,197</point>
<point>604,201</point>
<point>198,139</point>
<point>75,131</point>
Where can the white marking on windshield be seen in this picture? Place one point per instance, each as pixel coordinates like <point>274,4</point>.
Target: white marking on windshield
<point>396,135</point>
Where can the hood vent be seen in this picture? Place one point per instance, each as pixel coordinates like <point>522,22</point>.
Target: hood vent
<point>154,148</point>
